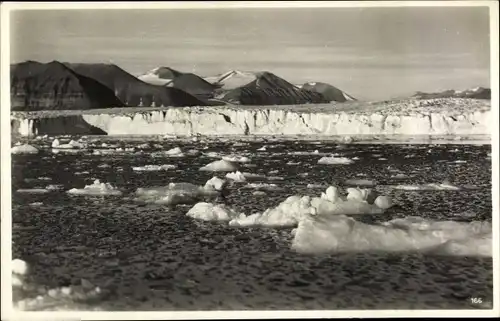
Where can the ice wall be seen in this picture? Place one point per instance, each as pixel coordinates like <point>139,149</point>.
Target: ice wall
<point>283,121</point>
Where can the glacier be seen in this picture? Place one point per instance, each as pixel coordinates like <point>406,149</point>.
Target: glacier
<point>438,117</point>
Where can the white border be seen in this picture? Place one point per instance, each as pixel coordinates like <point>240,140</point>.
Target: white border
<point>6,237</point>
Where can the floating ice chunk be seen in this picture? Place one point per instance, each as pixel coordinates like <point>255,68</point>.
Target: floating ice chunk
<point>97,188</point>
<point>316,152</point>
<point>215,183</point>
<point>71,145</point>
<point>220,166</point>
<point>59,298</point>
<point>179,193</point>
<point>262,186</point>
<point>383,202</point>
<point>212,154</point>
<point>54,187</point>
<point>253,175</point>
<point>149,168</point>
<point>295,208</point>
<point>262,149</point>
<point>276,178</point>
<point>32,190</point>
<point>236,176</point>
<point>174,152</point>
<point>288,213</point>
<point>259,193</point>
<point>55,143</point>
<point>36,204</point>
<point>460,161</point>
<point>358,194</point>
<point>211,212</point>
<point>236,159</point>
<point>332,234</point>
<point>360,182</point>
<point>143,146</point>
<point>335,161</point>
<point>315,186</point>
<point>331,194</point>
<point>24,149</point>
<point>104,166</point>
<point>19,267</point>
<point>427,187</point>
<point>347,139</point>
<point>193,152</point>
<point>103,151</point>
<point>293,163</point>
<point>476,246</point>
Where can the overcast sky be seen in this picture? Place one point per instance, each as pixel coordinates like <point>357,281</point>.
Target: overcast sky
<point>371,53</point>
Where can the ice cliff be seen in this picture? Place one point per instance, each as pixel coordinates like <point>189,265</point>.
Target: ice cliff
<point>450,116</point>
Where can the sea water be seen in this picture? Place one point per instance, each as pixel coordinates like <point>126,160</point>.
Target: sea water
<point>151,256</point>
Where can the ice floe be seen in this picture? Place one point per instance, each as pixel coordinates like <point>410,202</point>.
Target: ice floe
<point>24,149</point>
<point>180,193</point>
<point>360,182</point>
<point>236,176</point>
<point>331,234</point>
<point>97,188</point>
<point>262,186</point>
<point>335,160</point>
<point>236,159</point>
<point>176,151</point>
<point>212,212</point>
<point>54,187</point>
<point>215,183</point>
<point>151,168</point>
<point>427,187</point>
<point>316,152</point>
<point>32,297</point>
<point>32,190</point>
<point>316,185</point>
<point>71,145</point>
<point>220,166</point>
<point>295,208</point>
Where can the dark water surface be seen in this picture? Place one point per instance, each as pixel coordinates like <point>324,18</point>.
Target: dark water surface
<point>153,257</point>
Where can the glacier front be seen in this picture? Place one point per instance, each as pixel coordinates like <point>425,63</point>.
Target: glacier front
<point>439,117</point>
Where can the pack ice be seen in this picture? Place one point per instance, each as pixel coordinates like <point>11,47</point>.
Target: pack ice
<point>24,149</point>
<point>96,189</point>
<point>30,296</point>
<point>220,166</point>
<point>332,234</point>
<point>180,193</point>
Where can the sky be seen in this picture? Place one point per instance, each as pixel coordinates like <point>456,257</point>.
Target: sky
<point>370,53</point>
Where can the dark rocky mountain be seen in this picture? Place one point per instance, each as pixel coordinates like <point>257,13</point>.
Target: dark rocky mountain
<point>53,86</point>
<point>132,91</point>
<point>194,85</point>
<point>328,91</point>
<point>269,89</point>
<point>476,93</point>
